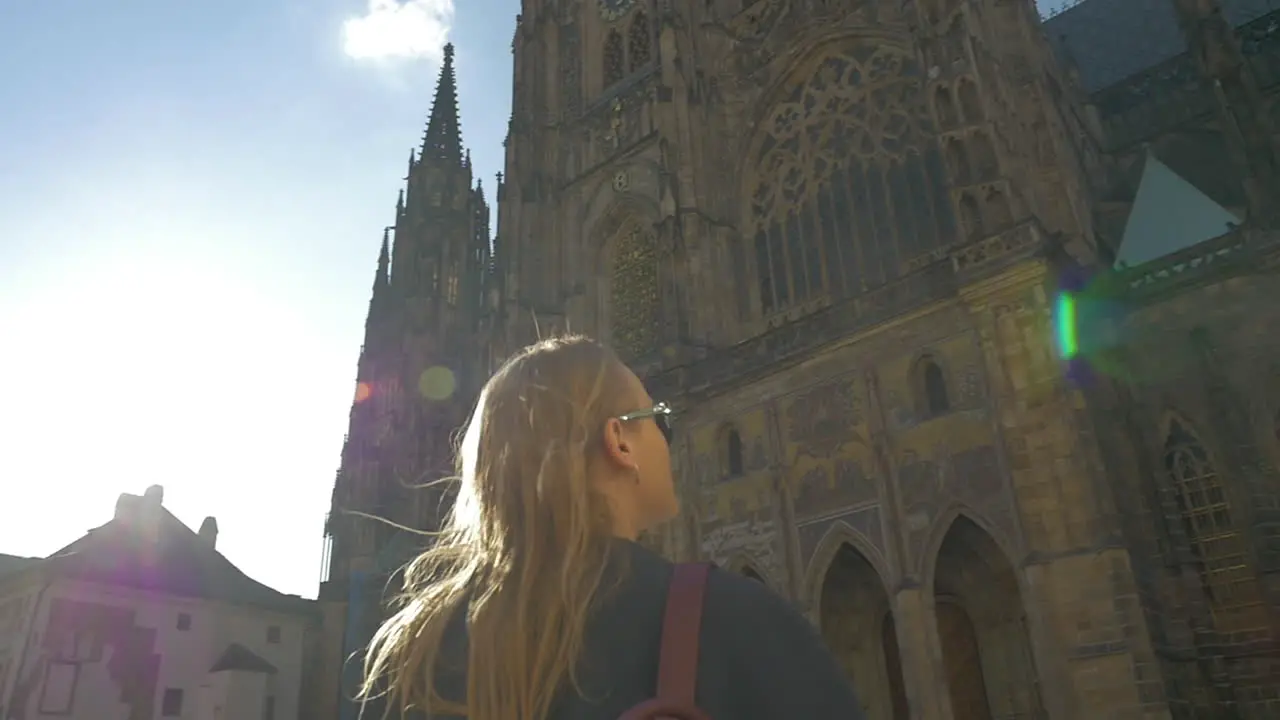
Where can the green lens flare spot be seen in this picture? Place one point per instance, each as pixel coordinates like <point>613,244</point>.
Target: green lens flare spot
<point>437,383</point>
<point>1065,322</point>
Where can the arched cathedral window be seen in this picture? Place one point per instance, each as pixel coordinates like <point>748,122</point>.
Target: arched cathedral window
<point>733,464</point>
<point>1217,546</point>
<point>615,61</point>
<point>634,293</point>
<point>847,183</point>
<point>935,388</point>
<point>640,41</point>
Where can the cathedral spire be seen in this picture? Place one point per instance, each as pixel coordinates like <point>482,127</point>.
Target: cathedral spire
<point>384,262</point>
<point>375,322</point>
<point>443,140</point>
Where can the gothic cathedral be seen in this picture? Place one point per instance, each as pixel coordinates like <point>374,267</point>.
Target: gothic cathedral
<point>972,321</point>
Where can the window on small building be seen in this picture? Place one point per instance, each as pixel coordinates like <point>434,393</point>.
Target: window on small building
<point>184,622</point>
<point>614,58</point>
<point>171,703</point>
<point>273,635</point>
<point>640,41</point>
<point>733,453</point>
<point>58,695</point>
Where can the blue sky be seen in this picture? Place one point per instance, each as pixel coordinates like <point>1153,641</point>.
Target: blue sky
<point>191,201</point>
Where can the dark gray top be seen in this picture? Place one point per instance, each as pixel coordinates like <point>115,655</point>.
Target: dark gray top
<point>759,659</point>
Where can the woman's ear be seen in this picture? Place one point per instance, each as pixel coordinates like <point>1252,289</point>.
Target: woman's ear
<point>616,449</point>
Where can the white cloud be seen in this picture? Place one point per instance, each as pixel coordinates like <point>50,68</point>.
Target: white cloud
<point>399,29</point>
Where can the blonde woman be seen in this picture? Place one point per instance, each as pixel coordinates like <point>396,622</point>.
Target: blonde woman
<point>536,602</point>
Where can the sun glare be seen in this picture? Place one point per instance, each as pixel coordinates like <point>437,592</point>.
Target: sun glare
<point>175,372</point>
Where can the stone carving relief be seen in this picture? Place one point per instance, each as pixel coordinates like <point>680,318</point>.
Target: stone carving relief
<point>617,124</point>
<point>848,152</point>
<point>754,538</point>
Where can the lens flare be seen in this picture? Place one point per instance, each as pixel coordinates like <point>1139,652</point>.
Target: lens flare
<point>363,392</point>
<point>437,383</point>
<point>1066,327</point>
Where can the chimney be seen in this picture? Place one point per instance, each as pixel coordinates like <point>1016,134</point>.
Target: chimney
<point>127,507</point>
<point>154,496</point>
<point>209,531</point>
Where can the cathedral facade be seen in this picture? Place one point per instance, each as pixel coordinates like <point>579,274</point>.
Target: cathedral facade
<point>971,320</point>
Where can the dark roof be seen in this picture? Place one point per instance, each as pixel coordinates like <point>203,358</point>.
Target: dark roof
<point>172,560</point>
<point>1112,40</point>
<point>239,657</point>
<point>13,563</point>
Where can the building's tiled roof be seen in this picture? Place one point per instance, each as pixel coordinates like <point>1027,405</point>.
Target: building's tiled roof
<point>1111,40</point>
<point>172,560</point>
<point>14,563</point>
<point>239,657</point>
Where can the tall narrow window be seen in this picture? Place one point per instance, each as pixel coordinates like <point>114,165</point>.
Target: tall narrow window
<point>1217,546</point>
<point>935,388</point>
<point>635,297</point>
<point>451,285</point>
<point>640,41</point>
<point>733,452</point>
<point>614,59</point>
<point>171,703</point>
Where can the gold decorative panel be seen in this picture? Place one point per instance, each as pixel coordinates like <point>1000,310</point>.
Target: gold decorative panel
<point>635,297</point>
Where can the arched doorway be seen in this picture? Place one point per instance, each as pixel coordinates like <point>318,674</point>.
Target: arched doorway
<point>982,627</point>
<point>858,626</point>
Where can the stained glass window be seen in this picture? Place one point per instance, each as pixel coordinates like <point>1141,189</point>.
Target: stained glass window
<point>635,295</point>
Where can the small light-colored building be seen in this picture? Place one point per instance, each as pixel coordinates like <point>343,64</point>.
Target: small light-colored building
<point>143,618</point>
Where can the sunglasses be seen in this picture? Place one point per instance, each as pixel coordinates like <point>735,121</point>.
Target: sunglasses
<point>661,414</point>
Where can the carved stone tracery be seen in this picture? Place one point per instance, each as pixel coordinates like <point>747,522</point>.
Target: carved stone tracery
<point>848,153</point>
<point>634,292</point>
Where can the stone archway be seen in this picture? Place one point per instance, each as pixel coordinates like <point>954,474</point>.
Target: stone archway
<point>857,624</point>
<point>986,649</point>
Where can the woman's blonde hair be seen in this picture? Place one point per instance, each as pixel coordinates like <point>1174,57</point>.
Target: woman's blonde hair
<point>524,548</point>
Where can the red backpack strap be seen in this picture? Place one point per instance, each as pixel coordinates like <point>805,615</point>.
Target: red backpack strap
<point>681,625</point>
<point>678,657</point>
